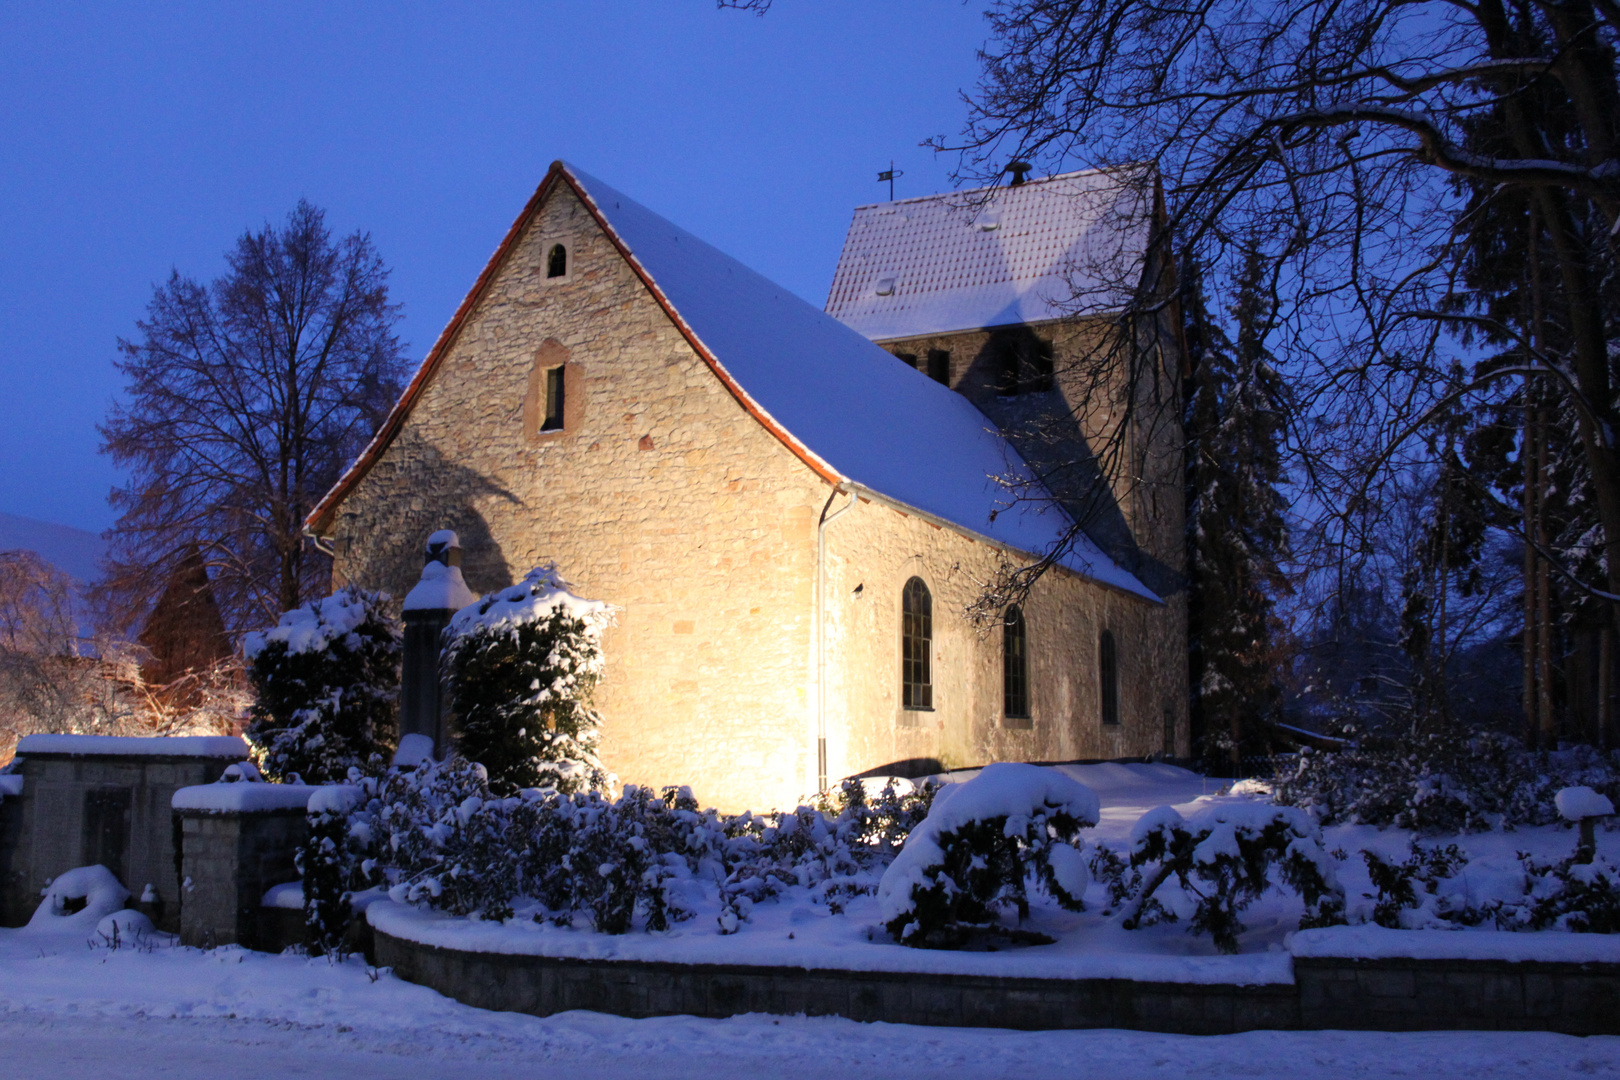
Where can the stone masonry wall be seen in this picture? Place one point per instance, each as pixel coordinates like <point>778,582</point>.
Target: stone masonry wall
<point>1377,995</point>
<point>229,860</point>
<point>661,496</point>
<point>1081,432</point>
<point>48,832</point>
<point>875,548</point>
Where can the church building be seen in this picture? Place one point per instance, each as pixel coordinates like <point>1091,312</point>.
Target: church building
<point>792,511</point>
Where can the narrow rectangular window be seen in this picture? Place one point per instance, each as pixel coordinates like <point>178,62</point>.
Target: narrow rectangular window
<point>909,359</point>
<point>1108,678</point>
<point>916,642</point>
<point>939,366</point>
<point>1015,669</point>
<point>554,400</point>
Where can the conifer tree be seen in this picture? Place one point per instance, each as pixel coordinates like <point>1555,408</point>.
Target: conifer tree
<point>326,680</point>
<point>521,665</point>
<point>1236,532</point>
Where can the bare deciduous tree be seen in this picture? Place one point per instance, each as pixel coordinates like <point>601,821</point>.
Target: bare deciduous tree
<point>1338,141</point>
<point>245,399</point>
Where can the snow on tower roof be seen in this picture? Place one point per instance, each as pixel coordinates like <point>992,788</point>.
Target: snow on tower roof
<point>1065,245</point>
<point>850,410</point>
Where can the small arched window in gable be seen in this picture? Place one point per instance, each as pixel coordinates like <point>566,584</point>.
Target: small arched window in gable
<point>1014,666</point>
<point>1108,677</point>
<point>557,261</point>
<point>916,645</point>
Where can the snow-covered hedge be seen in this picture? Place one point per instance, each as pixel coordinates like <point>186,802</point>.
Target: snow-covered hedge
<point>520,665</point>
<point>438,836</point>
<point>1448,782</point>
<point>970,859</point>
<point>326,683</point>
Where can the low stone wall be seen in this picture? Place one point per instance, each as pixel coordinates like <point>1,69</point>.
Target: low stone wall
<point>545,985</point>
<point>229,860</point>
<point>1424,995</point>
<point>100,804</point>
<point>1387,995</point>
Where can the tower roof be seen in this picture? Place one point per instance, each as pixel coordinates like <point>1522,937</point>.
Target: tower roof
<point>1065,245</point>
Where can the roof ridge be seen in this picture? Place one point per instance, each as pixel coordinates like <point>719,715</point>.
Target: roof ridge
<point>1093,171</point>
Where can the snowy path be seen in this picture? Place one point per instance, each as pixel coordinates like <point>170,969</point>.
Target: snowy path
<point>45,1047</point>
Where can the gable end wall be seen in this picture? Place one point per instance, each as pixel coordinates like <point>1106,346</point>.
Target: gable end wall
<point>662,496</point>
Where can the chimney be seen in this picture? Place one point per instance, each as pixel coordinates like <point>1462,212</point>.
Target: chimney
<point>439,594</point>
<point>1018,169</point>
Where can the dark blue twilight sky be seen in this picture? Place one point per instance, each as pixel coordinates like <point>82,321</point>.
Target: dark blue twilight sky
<point>139,137</point>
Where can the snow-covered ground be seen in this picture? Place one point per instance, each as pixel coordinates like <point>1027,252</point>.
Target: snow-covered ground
<point>70,1010</point>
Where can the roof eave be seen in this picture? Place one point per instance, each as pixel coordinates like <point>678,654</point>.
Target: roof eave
<point>1146,595</point>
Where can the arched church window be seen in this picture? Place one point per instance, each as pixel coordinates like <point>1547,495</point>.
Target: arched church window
<point>557,261</point>
<point>1108,677</point>
<point>916,645</point>
<point>1014,666</point>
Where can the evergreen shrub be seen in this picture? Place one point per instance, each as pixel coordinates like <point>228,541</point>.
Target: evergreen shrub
<point>1439,782</point>
<point>326,685</point>
<point>968,862</point>
<point>1224,860</point>
<point>520,666</point>
<point>438,836</point>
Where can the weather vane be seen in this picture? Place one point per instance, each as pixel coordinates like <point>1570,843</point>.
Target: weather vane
<point>889,174</point>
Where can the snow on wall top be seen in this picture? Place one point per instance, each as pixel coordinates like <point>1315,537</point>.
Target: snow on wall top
<point>1069,244</point>
<point>862,412</point>
<point>229,798</point>
<point>211,746</point>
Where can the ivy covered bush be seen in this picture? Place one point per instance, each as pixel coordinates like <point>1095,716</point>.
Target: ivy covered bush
<point>520,666</point>
<point>326,688</point>
<point>971,859</point>
<point>1441,782</point>
<point>328,866</point>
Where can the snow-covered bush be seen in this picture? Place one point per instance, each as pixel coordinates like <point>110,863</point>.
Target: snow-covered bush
<point>327,864</point>
<point>1412,894</point>
<point>435,835</point>
<point>969,859</point>
<point>326,681</point>
<point>1225,858</point>
<point>837,849</point>
<point>1443,782</point>
<point>79,899</point>
<point>520,666</point>
<point>1574,895</point>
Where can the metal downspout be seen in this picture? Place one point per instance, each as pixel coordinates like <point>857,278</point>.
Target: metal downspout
<point>821,625</point>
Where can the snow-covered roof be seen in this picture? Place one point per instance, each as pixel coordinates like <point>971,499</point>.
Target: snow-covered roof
<point>850,410</point>
<point>870,417</point>
<point>1068,244</point>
